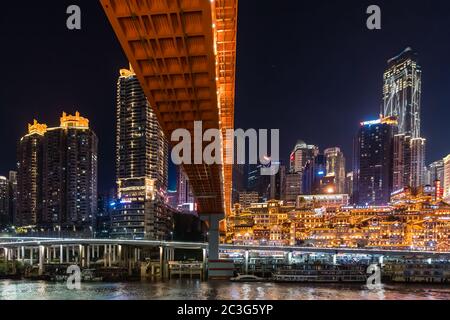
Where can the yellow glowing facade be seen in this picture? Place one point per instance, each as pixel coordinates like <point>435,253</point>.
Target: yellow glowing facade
<point>37,128</point>
<point>417,223</point>
<point>76,121</point>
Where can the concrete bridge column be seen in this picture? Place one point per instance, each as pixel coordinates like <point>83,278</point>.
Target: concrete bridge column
<point>335,259</point>
<point>67,254</point>
<point>213,221</point>
<point>88,256</point>
<point>31,255</point>
<point>41,259</point>
<point>109,256</point>
<point>104,256</point>
<point>5,254</point>
<point>22,254</point>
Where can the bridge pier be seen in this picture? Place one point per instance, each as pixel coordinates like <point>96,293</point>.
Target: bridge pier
<point>213,221</point>
<point>41,260</point>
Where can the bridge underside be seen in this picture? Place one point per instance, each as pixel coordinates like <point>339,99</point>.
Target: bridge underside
<point>184,54</point>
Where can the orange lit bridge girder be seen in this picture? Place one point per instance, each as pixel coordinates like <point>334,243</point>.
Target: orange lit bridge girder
<point>184,55</point>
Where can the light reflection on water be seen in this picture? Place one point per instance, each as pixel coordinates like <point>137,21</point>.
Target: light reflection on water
<point>220,290</point>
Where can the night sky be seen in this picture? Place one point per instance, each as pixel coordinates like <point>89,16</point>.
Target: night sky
<point>311,69</point>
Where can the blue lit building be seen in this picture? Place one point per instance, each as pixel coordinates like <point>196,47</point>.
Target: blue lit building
<point>373,162</point>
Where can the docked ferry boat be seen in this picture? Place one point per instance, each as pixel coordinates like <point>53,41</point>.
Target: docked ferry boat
<point>322,273</point>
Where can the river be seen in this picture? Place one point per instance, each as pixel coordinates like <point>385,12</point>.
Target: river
<point>216,290</point>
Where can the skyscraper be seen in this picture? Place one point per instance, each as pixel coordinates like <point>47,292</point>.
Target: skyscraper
<point>141,165</point>
<point>373,153</point>
<point>185,200</point>
<point>401,162</point>
<point>12,180</point>
<point>29,175</point>
<point>417,162</point>
<point>335,167</point>
<point>436,171</point>
<point>447,178</point>
<point>69,185</point>
<point>402,92</point>
<point>4,202</point>
<point>301,154</point>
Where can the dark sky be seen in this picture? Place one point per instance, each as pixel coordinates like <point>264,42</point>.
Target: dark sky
<point>308,68</point>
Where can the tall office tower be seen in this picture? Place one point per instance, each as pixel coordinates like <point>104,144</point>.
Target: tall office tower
<point>29,175</point>
<point>4,202</point>
<point>447,178</point>
<point>257,182</point>
<point>69,188</point>
<point>436,171</point>
<point>12,180</point>
<point>401,171</point>
<point>278,184</point>
<point>402,92</point>
<point>374,151</point>
<point>141,165</point>
<point>293,187</point>
<point>349,185</point>
<point>186,201</point>
<point>315,180</point>
<point>335,167</point>
<point>301,154</point>
<point>239,181</point>
<point>418,162</point>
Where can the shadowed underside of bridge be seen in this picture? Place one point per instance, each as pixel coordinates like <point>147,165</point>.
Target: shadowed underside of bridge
<point>184,55</point>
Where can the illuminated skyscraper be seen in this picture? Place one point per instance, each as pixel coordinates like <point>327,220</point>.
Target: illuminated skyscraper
<point>4,201</point>
<point>29,175</point>
<point>335,168</point>
<point>141,165</point>
<point>417,162</point>
<point>401,162</point>
<point>12,180</point>
<point>69,173</point>
<point>447,178</point>
<point>402,92</point>
<point>436,172</point>
<point>301,154</point>
<point>373,154</point>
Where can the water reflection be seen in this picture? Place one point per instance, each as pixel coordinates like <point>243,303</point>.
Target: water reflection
<point>222,290</point>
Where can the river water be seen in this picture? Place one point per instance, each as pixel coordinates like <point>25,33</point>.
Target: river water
<point>216,290</point>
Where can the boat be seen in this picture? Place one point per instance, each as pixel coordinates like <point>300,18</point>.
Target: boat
<point>323,274</point>
<point>246,278</point>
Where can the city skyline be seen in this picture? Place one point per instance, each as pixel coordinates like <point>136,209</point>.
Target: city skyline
<point>359,89</point>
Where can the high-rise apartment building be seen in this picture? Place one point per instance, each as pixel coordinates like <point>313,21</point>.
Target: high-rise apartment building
<point>373,166</point>
<point>402,92</point>
<point>141,165</point>
<point>29,175</point>
<point>447,178</point>
<point>57,176</point>
<point>69,172</point>
<point>335,168</point>
<point>4,201</point>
